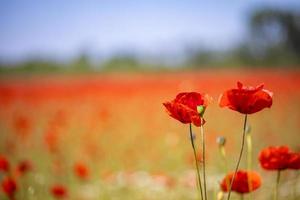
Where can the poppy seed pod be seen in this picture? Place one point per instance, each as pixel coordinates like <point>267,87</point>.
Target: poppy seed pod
<point>221,141</point>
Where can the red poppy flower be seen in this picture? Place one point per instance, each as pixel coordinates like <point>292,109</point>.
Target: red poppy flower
<point>275,158</point>
<point>9,187</point>
<point>4,164</point>
<point>184,108</point>
<point>241,181</point>
<point>59,191</point>
<point>81,170</point>
<point>294,162</point>
<point>23,167</point>
<point>246,100</point>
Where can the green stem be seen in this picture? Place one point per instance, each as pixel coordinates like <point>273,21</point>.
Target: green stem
<point>242,197</point>
<point>240,157</point>
<point>197,165</point>
<point>295,186</point>
<point>277,185</point>
<point>203,157</point>
<point>249,161</point>
<point>249,151</point>
<point>225,168</point>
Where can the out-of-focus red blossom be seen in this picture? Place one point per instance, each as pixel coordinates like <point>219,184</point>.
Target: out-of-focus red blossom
<point>59,191</point>
<point>164,180</point>
<point>104,114</point>
<point>4,164</point>
<point>241,181</point>
<point>9,187</point>
<point>23,167</point>
<point>188,179</point>
<point>81,170</point>
<point>184,107</point>
<point>294,162</point>
<point>51,140</point>
<point>108,176</point>
<point>22,126</point>
<point>57,167</point>
<point>275,158</point>
<point>59,120</point>
<point>246,100</point>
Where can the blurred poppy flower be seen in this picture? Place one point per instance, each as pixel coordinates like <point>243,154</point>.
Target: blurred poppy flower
<point>22,125</point>
<point>51,139</point>
<point>23,167</point>
<point>241,181</point>
<point>275,158</point>
<point>9,187</point>
<point>185,108</point>
<point>4,164</point>
<point>81,170</point>
<point>59,191</point>
<point>294,162</point>
<point>163,180</point>
<point>246,100</point>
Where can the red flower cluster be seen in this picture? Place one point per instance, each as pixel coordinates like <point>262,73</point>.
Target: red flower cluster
<point>4,164</point>
<point>59,191</point>
<point>246,100</point>
<point>279,158</point>
<point>9,182</point>
<point>241,181</point>
<point>184,108</point>
<point>81,170</point>
<point>9,187</point>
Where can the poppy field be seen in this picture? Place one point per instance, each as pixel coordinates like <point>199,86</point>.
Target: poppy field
<point>126,136</point>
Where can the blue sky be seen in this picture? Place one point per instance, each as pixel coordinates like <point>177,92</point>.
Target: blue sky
<point>64,28</point>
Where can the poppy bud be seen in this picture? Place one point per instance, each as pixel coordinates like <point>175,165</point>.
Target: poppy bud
<point>248,129</point>
<point>201,109</point>
<point>193,137</point>
<point>221,140</point>
<point>220,195</point>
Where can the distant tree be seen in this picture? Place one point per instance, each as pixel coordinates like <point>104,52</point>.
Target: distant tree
<point>81,63</point>
<point>121,63</point>
<point>273,27</point>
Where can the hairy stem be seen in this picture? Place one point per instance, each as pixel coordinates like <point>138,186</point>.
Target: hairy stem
<point>295,186</point>
<point>249,161</point>
<point>242,197</point>
<point>277,185</point>
<point>197,165</point>
<point>239,159</point>
<point>225,165</point>
<point>203,157</point>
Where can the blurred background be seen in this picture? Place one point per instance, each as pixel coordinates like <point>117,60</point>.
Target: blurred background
<point>82,85</point>
<point>147,35</point>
